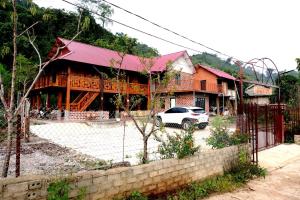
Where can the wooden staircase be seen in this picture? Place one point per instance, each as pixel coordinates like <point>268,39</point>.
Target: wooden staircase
<point>83,100</point>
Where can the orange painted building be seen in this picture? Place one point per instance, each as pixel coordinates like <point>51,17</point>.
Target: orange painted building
<point>206,87</point>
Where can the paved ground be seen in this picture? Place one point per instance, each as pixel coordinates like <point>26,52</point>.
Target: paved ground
<point>282,182</point>
<point>106,141</point>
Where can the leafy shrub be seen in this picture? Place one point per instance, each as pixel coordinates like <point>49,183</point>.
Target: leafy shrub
<point>239,138</point>
<point>58,190</point>
<point>289,136</point>
<point>178,145</point>
<point>244,170</point>
<point>220,136</point>
<point>136,196</point>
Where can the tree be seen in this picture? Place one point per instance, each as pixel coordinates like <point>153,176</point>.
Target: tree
<point>11,109</point>
<point>298,63</point>
<point>157,82</point>
<point>25,73</point>
<point>123,43</point>
<point>104,10</point>
<point>289,85</point>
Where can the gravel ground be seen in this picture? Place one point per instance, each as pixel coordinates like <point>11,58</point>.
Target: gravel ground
<point>60,147</point>
<point>106,141</point>
<point>42,157</point>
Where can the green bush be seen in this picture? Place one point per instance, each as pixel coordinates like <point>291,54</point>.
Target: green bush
<point>244,170</point>
<point>289,136</point>
<point>59,190</point>
<point>220,136</point>
<point>239,138</point>
<point>178,145</point>
<point>136,196</point>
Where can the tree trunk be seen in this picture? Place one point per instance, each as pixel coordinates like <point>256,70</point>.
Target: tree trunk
<point>8,147</point>
<point>145,152</point>
<point>12,94</point>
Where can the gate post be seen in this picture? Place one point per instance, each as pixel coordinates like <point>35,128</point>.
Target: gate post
<point>279,128</point>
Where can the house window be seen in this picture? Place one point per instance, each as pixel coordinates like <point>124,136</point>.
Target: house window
<point>177,79</point>
<point>203,85</point>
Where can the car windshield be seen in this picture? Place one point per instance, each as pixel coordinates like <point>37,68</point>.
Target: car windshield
<point>198,110</point>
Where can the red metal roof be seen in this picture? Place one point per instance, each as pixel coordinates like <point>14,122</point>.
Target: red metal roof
<point>217,72</point>
<point>85,53</point>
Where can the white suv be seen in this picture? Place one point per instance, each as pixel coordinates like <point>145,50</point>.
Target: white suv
<point>186,116</point>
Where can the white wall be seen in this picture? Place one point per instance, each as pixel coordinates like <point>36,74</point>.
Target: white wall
<point>184,64</point>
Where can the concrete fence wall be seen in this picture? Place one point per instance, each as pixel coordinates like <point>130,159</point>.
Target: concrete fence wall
<point>155,177</point>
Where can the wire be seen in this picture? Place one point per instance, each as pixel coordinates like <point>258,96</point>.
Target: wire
<point>155,36</point>
<point>138,30</point>
<point>178,34</point>
<point>167,29</point>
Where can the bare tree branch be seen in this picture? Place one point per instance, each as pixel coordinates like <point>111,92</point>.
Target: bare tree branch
<point>28,28</point>
<point>43,65</point>
<point>35,49</point>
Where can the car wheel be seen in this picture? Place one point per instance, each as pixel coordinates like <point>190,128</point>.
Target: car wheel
<point>186,124</point>
<point>158,121</point>
<point>201,126</point>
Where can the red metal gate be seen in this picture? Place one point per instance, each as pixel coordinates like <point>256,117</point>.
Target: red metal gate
<point>264,124</point>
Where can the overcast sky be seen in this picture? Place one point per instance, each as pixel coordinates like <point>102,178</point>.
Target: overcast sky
<point>244,29</point>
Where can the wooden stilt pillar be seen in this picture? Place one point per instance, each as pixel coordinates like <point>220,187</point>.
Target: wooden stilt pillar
<point>33,104</point>
<point>38,101</point>
<point>101,92</point>
<point>218,105</point>
<point>149,95</point>
<point>59,100</point>
<point>48,103</point>
<point>127,94</point>
<point>59,104</point>
<point>68,94</point>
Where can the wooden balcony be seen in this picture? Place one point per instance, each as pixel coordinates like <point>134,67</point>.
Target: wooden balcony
<point>192,85</point>
<point>92,84</point>
<point>48,81</point>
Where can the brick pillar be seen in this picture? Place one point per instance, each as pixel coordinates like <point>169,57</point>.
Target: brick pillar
<point>207,104</point>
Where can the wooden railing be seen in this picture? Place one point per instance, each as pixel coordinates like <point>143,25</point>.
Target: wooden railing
<point>93,84</point>
<point>48,81</point>
<point>191,85</point>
